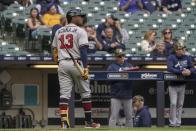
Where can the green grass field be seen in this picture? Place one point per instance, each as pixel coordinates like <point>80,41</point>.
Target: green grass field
<point>108,129</point>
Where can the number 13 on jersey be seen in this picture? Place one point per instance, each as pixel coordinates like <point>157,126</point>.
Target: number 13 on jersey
<point>66,41</point>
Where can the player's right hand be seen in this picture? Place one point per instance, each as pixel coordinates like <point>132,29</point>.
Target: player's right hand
<point>85,74</point>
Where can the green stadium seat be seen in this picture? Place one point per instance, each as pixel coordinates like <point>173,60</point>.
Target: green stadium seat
<point>6,21</point>
<point>19,29</point>
<point>17,8</point>
<point>44,38</point>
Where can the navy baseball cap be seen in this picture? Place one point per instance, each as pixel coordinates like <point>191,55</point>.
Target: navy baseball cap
<point>75,12</point>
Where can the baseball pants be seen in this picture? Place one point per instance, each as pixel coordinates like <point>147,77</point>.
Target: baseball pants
<point>116,105</point>
<point>70,77</point>
<point>176,94</point>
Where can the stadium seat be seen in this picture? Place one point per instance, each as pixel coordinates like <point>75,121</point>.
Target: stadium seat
<point>6,21</point>
<point>16,8</point>
<point>136,24</point>
<point>18,25</point>
<point>44,39</point>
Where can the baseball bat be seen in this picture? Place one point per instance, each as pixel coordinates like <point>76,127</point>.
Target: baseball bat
<point>79,68</point>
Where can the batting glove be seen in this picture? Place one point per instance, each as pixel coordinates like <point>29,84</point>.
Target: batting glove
<point>85,74</point>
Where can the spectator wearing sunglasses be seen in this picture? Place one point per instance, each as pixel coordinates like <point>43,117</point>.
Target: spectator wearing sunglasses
<point>168,40</point>
<point>121,91</point>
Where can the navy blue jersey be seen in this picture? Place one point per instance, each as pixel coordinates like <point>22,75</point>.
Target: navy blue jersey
<point>168,47</point>
<point>176,65</point>
<point>92,46</point>
<point>100,31</point>
<point>120,89</point>
<point>106,43</point>
<point>142,118</point>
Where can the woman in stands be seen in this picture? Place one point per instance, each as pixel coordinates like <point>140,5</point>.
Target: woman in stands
<point>34,22</point>
<point>148,44</point>
<point>25,3</point>
<point>52,17</point>
<point>43,5</point>
<point>168,40</point>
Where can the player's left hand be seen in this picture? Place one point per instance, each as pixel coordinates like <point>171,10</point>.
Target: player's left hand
<point>85,74</point>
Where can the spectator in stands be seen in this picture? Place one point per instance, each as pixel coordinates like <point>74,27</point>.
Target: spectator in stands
<point>109,41</point>
<point>123,37</point>
<point>171,5</point>
<point>25,3</point>
<point>121,92</point>
<point>149,43</point>
<point>70,1</point>
<point>8,2</point>
<point>159,51</point>
<point>5,3</point>
<point>150,5</point>
<point>43,5</point>
<point>180,64</point>
<point>142,116</point>
<point>63,22</point>
<point>110,21</point>
<point>94,44</point>
<point>40,1</point>
<point>129,6</point>
<point>34,22</point>
<point>168,40</point>
<point>52,17</point>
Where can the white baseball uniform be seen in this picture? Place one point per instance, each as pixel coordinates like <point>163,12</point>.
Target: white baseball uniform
<point>71,37</point>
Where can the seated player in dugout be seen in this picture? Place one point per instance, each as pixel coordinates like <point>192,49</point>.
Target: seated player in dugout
<point>142,117</point>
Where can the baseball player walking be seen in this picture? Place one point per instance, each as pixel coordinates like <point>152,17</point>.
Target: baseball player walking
<point>180,64</point>
<point>71,43</point>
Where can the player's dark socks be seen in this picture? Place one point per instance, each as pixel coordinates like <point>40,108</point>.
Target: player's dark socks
<point>87,106</point>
